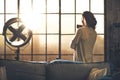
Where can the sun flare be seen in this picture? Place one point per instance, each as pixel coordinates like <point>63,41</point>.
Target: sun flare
<point>31,20</point>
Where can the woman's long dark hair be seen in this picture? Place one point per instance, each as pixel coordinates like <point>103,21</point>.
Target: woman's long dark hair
<point>90,19</point>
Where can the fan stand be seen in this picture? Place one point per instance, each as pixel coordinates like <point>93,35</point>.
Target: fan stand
<point>20,35</point>
<point>17,52</point>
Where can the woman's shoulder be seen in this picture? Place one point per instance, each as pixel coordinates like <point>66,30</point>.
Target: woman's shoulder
<point>86,29</point>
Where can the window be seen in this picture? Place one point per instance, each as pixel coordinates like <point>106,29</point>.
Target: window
<point>53,25</point>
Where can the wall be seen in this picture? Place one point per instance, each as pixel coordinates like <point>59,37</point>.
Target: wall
<point>112,15</point>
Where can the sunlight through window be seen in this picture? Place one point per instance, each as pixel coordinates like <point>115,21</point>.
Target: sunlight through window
<point>53,23</point>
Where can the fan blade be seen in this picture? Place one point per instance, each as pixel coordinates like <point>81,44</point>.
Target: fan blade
<point>21,28</point>
<point>13,38</point>
<point>22,37</point>
<point>12,29</point>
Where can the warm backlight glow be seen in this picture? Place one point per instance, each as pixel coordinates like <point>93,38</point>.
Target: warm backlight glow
<point>53,24</point>
<point>31,20</point>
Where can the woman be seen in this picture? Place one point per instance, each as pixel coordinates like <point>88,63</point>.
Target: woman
<point>85,38</point>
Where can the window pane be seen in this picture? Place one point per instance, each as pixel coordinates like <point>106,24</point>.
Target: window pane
<point>26,49</point>
<point>39,23</point>
<point>39,44</point>
<point>1,6</point>
<point>1,23</point>
<point>99,49</point>
<point>52,23</point>
<point>52,44</point>
<point>25,6</point>
<point>1,44</point>
<point>66,41</point>
<point>39,57</point>
<point>10,50</point>
<point>35,22</point>
<point>99,45</point>
<point>67,6</point>
<point>98,58</point>
<point>100,23</point>
<point>82,5</point>
<point>52,57</point>
<point>78,19</point>
<point>11,6</point>
<point>99,8</point>
<point>67,24</point>
<point>39,6</point>
<point>67,57</point>
<point>9,16</point>
<point>52,6</point>
<point>11,56</point>
<point>25,57</point>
